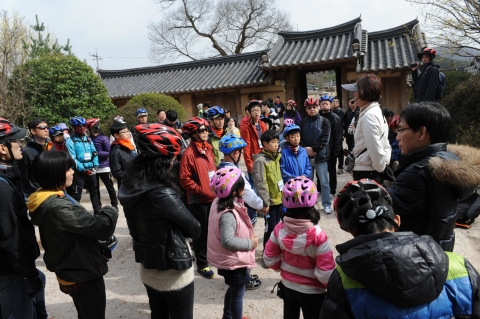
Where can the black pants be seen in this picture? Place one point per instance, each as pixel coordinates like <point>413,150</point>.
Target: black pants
<point>293,301</point>
<point>341,160</point>
<point>108,182</point>
<point>275,214</point>
<point>171,304</point>
<point>81,180</point>
<point>350,142</point>
<point>201,213</point>
<point>376,176</point>
<point>332,173</point>
<point>90,299</point>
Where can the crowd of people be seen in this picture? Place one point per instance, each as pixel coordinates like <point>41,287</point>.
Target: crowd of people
<point>188,205</point>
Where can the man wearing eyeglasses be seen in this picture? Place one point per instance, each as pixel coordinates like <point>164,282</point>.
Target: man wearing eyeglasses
<point>37,143</point>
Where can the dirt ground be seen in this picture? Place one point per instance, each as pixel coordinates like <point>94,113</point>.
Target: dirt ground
<point>127,298</point>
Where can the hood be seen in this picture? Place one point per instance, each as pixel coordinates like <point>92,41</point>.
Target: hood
<point>463,174</point>
<point>270,156</point>
<point>35,200</point>
<point>296,244</point>
<point>402,268</point>
<point>132,189</point>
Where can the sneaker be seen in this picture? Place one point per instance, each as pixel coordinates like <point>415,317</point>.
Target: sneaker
<point>253,284</point>
<point>206,272</point>
<point>340,171</point>
<point>327,210</point>
<point>253,277</point>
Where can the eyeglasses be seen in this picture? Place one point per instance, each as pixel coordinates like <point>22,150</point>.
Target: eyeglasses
<point>255,111</point>
<point>42,127</point>
<point>124,132</point>
<point>202,130</point>
<point>400,130</point>
<point>311,107</point>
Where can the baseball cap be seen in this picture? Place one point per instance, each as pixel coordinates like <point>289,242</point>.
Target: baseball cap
<point>352,87</point>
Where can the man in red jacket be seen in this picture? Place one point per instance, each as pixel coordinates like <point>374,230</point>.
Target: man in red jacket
<point>197,167</point>
<point>251,131</point>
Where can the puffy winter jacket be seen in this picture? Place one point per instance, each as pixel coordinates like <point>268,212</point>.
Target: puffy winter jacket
<point>158,222</point>
<point>70,235</point>
<point>18,245</point>
<point>372,134</point>
<point>302,254</point>
<point>80,148</point>
<point>119,158</point>
<point>425,82</point>
<point>315,133</point>
<point>217,254</point>
<point>294,115</point>
<point>336,135</point>
<point>195,168</point>
<point>400,275</point>
<point>267,174</point>
<point>292,165</point>
<point>102,146</point>
<point>250,135</point>
<point>429,183</point>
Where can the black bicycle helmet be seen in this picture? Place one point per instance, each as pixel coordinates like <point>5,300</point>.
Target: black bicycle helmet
<point>354,203</point>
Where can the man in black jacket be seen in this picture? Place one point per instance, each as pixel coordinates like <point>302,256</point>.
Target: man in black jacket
<point>335,142</point>
<point>337,109</point>
<point>430,179</point>
<point>19,279</point>
<point>425,79</point>
<point>349,115</point>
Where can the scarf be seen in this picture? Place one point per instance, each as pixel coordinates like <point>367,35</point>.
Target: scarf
<point>217,132</point>
<point>201,147</point>
<point>294,149</point>
<point>59,146</point>
<point>125,143</point>
<point>295,226</point>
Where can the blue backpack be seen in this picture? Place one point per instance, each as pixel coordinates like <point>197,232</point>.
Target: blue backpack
<point>440,89</point>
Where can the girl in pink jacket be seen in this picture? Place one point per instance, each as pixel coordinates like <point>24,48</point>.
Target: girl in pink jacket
<point>231,240</point>
<point>299,249</point>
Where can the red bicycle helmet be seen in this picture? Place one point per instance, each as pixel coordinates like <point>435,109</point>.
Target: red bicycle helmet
<point>427,50</point>
<point>393,123</point>
<point>10,132</point>
<point>354,202</point>
<point>93,122</point>
<point>292,103</point>
<point>310,101</point>
<point>158,140</point>
<point>193,124</point>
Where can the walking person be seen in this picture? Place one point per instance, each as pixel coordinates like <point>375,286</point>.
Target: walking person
<point>159,223</point>
<point>299,249</point>
<point>231,238</point>
<point>197,167</point>
<point>70,234</point>
<point>102,146</point>
<point>20,280</point>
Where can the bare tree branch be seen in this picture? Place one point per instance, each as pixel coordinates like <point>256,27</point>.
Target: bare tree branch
<point>229,26</point>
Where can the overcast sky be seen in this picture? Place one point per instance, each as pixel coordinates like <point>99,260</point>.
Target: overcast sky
<point>118,28</point>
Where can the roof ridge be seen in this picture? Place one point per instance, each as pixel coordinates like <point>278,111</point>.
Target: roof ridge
<point>396,31</point>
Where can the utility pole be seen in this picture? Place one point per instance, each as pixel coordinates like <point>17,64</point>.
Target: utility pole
<point>96,57</point>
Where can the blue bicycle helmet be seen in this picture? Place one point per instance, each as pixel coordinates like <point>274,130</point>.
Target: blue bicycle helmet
<point>214,112</point>
<point>141,112</point>
<point>325,98</point>
<point>290,129</point>
<point>55,130</point>
<point>77,121</point>
<point>230,143</point>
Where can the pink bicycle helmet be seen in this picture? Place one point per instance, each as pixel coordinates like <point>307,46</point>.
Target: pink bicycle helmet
<point>287,122</point>
<point>299,192</point>
<point>223,181</point>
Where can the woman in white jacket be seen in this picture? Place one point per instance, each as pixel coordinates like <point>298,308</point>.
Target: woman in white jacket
<point>372,150</point>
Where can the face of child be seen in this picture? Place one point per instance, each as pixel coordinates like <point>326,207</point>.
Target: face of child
<point>271,146</point>
<point>293,139</point>
<point>142,119</point>
<point>123,134</point>
<point>231,123</point>
<point>255,112</point>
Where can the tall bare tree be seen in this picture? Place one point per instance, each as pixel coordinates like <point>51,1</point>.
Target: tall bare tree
<point>454,24</point>
<point>199,28</point>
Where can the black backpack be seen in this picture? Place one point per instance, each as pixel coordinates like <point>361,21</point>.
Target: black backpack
<point>469,208</point>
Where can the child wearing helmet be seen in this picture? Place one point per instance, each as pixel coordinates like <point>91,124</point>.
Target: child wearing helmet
<point>291,113</point>
<point>231,238</point>
<point>300,250</point>
<point>382,273</point>
<point>216,118</point>
<point>294,161</point>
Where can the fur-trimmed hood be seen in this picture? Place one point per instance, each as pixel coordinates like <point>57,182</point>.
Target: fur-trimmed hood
<point>464,173</point>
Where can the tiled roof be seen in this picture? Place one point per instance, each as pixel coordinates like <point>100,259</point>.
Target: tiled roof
<point>315,47</point>
<point>196,76</point>
<point>395,48</point>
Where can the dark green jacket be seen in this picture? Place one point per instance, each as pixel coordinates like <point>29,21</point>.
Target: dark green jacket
<point>70,235</point>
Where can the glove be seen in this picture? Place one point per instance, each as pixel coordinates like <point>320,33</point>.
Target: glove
<point>36,284</point>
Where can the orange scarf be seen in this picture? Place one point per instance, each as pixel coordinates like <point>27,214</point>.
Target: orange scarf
<point>126,143</point>
<point>218,132</point>
<point>200,146</point>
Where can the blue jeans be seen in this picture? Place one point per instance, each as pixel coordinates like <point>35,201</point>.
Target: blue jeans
<point>39,308</point>
<point>14,300</point>
<point>322,175</point>
<point>233,302</point>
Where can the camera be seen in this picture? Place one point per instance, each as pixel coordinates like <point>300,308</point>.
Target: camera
<point>414,65</point>
<point>349,163</point>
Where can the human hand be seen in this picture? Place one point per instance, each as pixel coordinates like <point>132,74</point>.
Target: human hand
<point>310,151</point>
<point>254,240</point>
<point>265,209</point>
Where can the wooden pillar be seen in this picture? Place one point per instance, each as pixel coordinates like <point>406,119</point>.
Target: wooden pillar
<point>403,90</point>
<point>342,79</point>
<point>296,87</point>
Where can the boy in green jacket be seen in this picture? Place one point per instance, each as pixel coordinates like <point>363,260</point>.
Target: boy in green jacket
<point>268,180</point>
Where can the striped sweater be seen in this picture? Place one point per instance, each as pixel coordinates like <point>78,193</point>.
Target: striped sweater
<point>302,255</point>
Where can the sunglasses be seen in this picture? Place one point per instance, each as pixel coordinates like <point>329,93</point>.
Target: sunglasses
<point>311,107</point>
<point>352,102</point>
<point>202,130</point>
<point>42,127</point>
